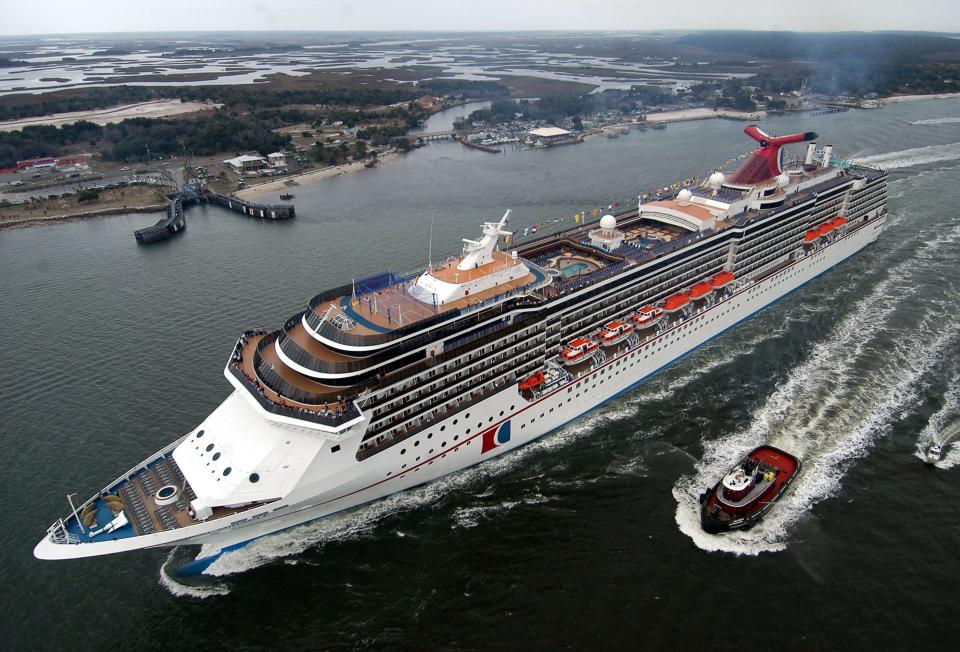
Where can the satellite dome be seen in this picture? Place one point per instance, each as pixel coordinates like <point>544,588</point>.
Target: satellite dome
<point>684,196</point>
<point>783,179</point>
<point>608,222</point>
<point>716,180</point>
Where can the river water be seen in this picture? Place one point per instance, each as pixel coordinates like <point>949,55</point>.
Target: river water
<point>588,537</point>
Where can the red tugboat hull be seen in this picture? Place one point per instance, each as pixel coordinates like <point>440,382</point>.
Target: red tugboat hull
<point>744,496</point>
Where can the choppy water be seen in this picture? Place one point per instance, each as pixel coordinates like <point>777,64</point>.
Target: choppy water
<point>586,538</point>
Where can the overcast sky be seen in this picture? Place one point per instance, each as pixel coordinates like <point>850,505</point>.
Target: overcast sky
<point>66,16</point>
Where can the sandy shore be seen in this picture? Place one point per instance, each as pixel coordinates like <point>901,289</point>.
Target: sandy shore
<point>703,114</point>
<point>913,98</point>
<point>281,184</point>
<point>154,109</point>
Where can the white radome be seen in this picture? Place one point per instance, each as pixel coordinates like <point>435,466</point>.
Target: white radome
<point>684,196</point>
<point>783,180</point>
<point>716,180</point>
<point>608,222</point>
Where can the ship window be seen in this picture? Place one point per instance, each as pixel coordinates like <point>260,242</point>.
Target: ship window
<point>209,447</point>
<point>442,428</point>
<point>403,450</point>
<point>334,449</point>
<point>468,431</point>
<point>429,435</point>
<point>199,434</point>
<point>226,471</point>
<point>416,443</point>
<point>480,424</point>
<point>216,456</point>
<point>456,437</point>
<point>455,422</point>
<point>466,416</point>
<point>254,477</point>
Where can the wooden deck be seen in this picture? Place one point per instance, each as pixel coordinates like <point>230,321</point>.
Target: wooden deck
<point>296,379</point>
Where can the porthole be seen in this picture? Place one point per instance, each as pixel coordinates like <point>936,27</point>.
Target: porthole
<point>501,412</point>
<point>468,431</point>
<point>479,424</point>
<point>216,456</point>
<point>254,477</point>
<point>443,444</point>
<point>403,450</point>
<point>442,428</point>
<point>199,434</point>
<point>455,422</point>
<point>226,471</point>
<point>416,443</point>
<point>429,435</point>
<point>456,437</point>
<point>466,416</point>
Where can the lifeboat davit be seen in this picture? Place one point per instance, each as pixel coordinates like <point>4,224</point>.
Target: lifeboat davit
<point>701,289</point>
<point>647,316</point>
<point>532,382</point>
<point>675,302</point>
<point>838,221</point>
<point>615,332</point>
<point>579,350</point>
<point>723,279</point>
<point>748,491</point>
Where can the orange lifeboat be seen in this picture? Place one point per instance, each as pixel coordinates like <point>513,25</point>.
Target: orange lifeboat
<point>722,280</point>
<point>647,316</point>
<point>615,332</point>
<point>579,350</point>
<point>675,302</point>
<point>825,229</point>
<point>701,289</point>
<point>838,221</point>
<point>532,382</point>
<point>811,236</point>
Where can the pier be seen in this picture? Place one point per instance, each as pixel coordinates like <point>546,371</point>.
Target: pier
<point>171,224</point>
<point>265,211</point>
<point>174,221</point>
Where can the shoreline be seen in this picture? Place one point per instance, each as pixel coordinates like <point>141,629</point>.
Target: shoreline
<point>282,184</point>
<point>23,222</point>
<point>915,98</point>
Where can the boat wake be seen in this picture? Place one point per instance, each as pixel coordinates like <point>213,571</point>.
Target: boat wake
<point>911,157</point>
<point>943,428</point>
<point>937,121</point>
<point>831,408</point>
<point>183,588</point>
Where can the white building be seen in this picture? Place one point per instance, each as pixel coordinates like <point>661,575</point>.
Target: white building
<point>277,160</point>
<point>247,163</point>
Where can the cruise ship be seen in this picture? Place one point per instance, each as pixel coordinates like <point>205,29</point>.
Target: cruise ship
<point>394,380</point>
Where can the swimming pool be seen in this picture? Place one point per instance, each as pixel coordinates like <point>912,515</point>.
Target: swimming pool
<point>574,269</point>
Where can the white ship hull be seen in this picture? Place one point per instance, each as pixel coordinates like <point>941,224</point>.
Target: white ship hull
<point>344,482</point>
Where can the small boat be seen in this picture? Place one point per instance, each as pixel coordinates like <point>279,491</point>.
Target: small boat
<point>701,290</point>
<point>532,382</point>
<point>748,491</point>
<point>722,280</point>
<point>675,302</point>
<point>934,453</point>
<point>579,350</point>
<point>287,197</point>
<point>615,332</point>
<point>647,316</point>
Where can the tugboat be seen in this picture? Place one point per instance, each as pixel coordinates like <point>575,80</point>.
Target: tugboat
<point>934,453</point>
<point>748,491</point>
<point>579,350</point>
<point>615,332</point>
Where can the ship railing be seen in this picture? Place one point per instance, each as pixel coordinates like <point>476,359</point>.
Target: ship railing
<point>58,533</point>
<point>470,396</point>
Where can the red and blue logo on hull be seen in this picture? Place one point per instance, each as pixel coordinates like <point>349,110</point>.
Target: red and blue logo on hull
<point>495,437</point>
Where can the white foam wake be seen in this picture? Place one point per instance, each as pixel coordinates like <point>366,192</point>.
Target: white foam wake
<point>180,589</point>
<point>937,121</point>
<point>944,427</point>
<point>830,409</point>
<point>910,157</point>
